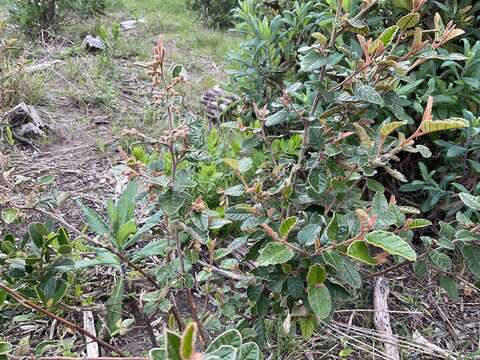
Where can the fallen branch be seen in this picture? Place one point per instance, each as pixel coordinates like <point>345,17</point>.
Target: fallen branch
<point>89,325</point>
<point>27,303</point>
<point>430,347</point>
<point>42,66</point>
<point>382,317</point>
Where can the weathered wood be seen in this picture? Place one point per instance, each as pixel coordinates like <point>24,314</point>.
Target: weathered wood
<point>382,317</point>
<point>89,325</point>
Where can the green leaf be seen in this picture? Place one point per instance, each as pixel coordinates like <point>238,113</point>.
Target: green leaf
<point>172,201</point>
<point>274,253</point>
<point>249,351</point>
<point>178,70</point>
<point>307,327</point>
<point>287,225</point>
<point>45,345</point>
<point>94,221</point>
<point>102,257</point>
<point>472,258</point>
<point>359,250</point>
<point>317,178</point>
<point>114,305</point>
<point>277,118</point>
<point>51,291</point>
<point>391,243</point>
<point>46,180</point>
<point>424,151</point>
<point>388,34</point>
<point>239,212</point>
<point>152,221</point>
<point>440,259</point>
<point>5,347</point>
<point>236,190</point>
<point>308,234</point>
<point>455,151</point>
<point>124,232</point>
<point>333,228</point>
<point>224,352</point>
<point>37,231</point>
<point>172,341</point>
<point>3,297</point>
<point>187,344</point>
<point>375,186</point>
<point>10,215</point>
<point>387,129</point>
<point>244,165</point>
<point>441,125</point>
<point>158,354</point>
<point>419,223</point>
<point>450,286</point>
<point>230,337</point>
<point>420,269</point>
<point>295,287</point>
<point>316,275</point>
<point>408,21</point>
<point>154,248</point>
<point>320,301</point>
<point>473,202</point>
<point>345,270</point>
<point>125,204</point>
<point>403,4</point>
<point>367,94</point>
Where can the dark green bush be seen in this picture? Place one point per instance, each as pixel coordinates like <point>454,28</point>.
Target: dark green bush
<point>215,13</point>
<point>35,16</point>
<point>88,7</point>
<point>41,17</point>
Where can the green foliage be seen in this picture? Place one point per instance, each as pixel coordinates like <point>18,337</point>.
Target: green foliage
<point>309,189</point>
<point>90,7</point>
<point>40,264</point>
<point>36,17</point>
<point>215,13</point>
<point>228,345</point>
<point>33,16</point>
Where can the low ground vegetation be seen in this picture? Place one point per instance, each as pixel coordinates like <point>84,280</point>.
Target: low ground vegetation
<point>346,169</point>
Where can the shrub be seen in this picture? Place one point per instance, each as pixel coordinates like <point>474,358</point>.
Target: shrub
<point>35,16</point>
<point>41,17</point>
<point>216,13</point>
<point>88,7</point>
<point>310,178</point>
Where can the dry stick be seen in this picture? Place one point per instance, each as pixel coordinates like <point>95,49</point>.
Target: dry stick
<point>406,343</point>
<point>382,317</point>
<point>126,260</point>
<point>23,301</point>
<point>89,325</point>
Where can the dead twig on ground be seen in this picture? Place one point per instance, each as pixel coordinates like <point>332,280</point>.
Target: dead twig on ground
<point>26,303</point>
<point>382,317</point>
